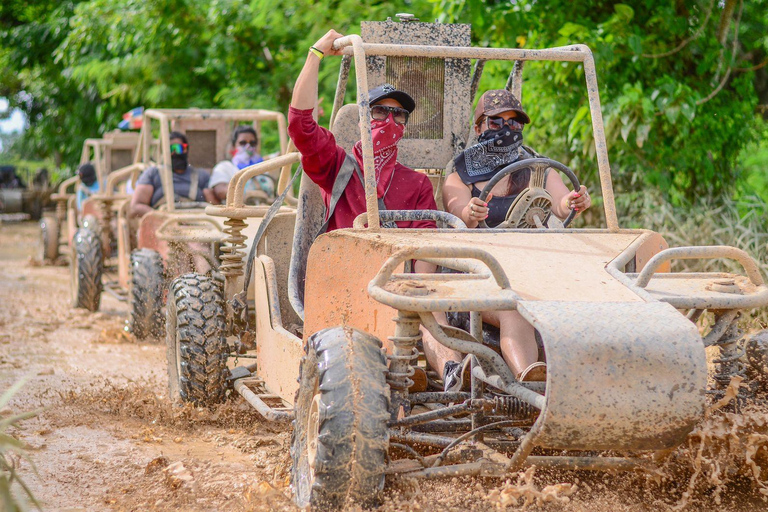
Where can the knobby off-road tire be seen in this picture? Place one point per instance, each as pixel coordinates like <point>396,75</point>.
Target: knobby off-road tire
<point>49,231</point>
<point>147,319</point>
<point>340,454</point>
<point>756,352</point>
<point>195,343</point>
<point>85,270</point>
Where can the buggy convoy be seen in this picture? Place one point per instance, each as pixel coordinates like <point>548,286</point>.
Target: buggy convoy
<point>114,151</point>
<point>134,260</point>
<point>333,323</point>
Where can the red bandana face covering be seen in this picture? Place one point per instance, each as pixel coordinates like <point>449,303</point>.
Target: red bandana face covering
<point>386,134</point>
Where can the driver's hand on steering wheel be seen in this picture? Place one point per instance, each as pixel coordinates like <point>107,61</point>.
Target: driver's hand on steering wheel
<point>476,210</point>
<point>578,201</point>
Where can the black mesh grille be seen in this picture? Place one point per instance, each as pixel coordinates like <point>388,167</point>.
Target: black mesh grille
<point>424,79</point>
<point>202,148</point>
<point>121,158</point>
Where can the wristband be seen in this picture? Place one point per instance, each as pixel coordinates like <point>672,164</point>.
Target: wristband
<point>319,54</point>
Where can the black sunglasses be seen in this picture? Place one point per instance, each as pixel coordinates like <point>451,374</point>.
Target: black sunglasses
<point>497,123</point>
<point>380,112</point>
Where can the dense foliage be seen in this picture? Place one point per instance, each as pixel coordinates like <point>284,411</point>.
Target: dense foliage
<point>680,81</point>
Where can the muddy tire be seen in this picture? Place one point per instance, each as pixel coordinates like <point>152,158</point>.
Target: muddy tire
<point>85,270</point>
<point>49,231</point>
<point>340,439</point>
<point>195,343</point>
<point>146,317</point>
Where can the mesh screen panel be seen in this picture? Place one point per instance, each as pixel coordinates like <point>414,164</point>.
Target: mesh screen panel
<point>120,158</point>
<point>424,79</point>
<point>202,148</point>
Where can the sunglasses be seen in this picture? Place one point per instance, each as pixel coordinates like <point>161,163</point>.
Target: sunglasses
<point>497,123</point>
<point>244,143</point>
<point>179,149</point>
<point>381,112</point>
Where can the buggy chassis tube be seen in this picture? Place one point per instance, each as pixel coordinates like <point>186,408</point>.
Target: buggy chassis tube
<point>505,299</point>
<point>130,172</point>
<point>411,215</point>
<point>573,53</point>
<point>705,252</point>
<point>252,398</point>
<point>235,207</point>
<point>176,219</point>
<point>62,193</point>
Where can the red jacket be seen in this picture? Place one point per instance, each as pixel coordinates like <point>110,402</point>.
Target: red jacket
<point>322,159</point>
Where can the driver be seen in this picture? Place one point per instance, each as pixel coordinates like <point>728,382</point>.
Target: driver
<point>189,183</point>
<point>499,122</point>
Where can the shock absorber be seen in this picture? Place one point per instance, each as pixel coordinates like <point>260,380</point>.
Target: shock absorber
<point>233,250</point>
<point>105,207</point>
<point>505,405</point>
<point>404,354</point>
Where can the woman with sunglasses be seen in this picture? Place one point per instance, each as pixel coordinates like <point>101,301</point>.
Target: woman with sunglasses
<point>397,186</point>
<point>188,182</point>
<point>245,143</point>
<point>499,122</point>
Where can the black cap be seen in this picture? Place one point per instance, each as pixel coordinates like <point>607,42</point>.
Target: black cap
<point>87,174</point>
<point>388,91</point>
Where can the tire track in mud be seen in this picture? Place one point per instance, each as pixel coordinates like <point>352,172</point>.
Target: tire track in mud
<point>110,439</point>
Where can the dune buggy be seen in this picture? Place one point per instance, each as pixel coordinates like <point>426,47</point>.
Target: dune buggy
<point>133,260</point>
<point>334,323</point>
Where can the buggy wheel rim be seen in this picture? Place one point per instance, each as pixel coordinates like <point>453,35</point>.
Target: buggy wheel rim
<point>178,354</point>
<point>313,433</point>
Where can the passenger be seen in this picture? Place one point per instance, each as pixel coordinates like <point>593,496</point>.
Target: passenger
<point>244,144</point>
<point>88,183</point>
<point>499,122</point>
<point>399,187</point>
<point>189,182</point>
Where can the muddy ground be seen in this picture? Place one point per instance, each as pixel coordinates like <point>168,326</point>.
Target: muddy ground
<point>108,438</point>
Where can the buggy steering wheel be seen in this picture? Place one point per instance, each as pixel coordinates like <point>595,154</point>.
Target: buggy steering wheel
<point>533,206</point>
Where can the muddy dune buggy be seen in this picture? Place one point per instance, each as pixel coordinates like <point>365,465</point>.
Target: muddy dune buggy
<point>114,151</point>
<point>332,331</point>
<point>134,260</point>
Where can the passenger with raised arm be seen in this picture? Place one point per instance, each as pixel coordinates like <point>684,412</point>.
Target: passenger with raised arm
<point>499,121</point>
<point>397,186</point>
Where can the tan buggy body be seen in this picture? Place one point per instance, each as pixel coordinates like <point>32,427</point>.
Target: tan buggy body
<point>626,365</point>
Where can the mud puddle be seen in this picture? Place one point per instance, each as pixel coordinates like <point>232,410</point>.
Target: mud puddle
<point>109,439</point>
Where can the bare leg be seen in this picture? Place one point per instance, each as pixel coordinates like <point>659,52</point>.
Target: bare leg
<point>438,354</point>
<point>518,341</point>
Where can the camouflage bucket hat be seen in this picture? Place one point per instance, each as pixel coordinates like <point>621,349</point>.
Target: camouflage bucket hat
<point>496,101</point>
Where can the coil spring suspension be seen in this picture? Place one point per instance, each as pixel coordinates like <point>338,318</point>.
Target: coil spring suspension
<point>61,210</point>
<point>729,364</point>
<point>105,207</point>
<point>510,406</point>
<point>401,380</point>
<point>233,252</point>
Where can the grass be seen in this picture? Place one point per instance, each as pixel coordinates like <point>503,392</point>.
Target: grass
<point>11,449</point>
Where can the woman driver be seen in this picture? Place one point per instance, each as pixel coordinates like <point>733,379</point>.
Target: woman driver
<point>499,121</point>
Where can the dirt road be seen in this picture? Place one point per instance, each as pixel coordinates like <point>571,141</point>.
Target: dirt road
<point>109,439</point>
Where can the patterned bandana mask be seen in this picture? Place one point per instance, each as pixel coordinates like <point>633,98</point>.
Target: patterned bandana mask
<point>495,150</point>
<point>386,134</point>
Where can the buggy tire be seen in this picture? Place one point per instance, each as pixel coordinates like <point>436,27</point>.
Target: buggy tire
<point>146,316</point>
<point>341,454</point>
<point>49,230</point>
<point>195,343</point>
<point>85,270</point>
<point>756,351</point>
